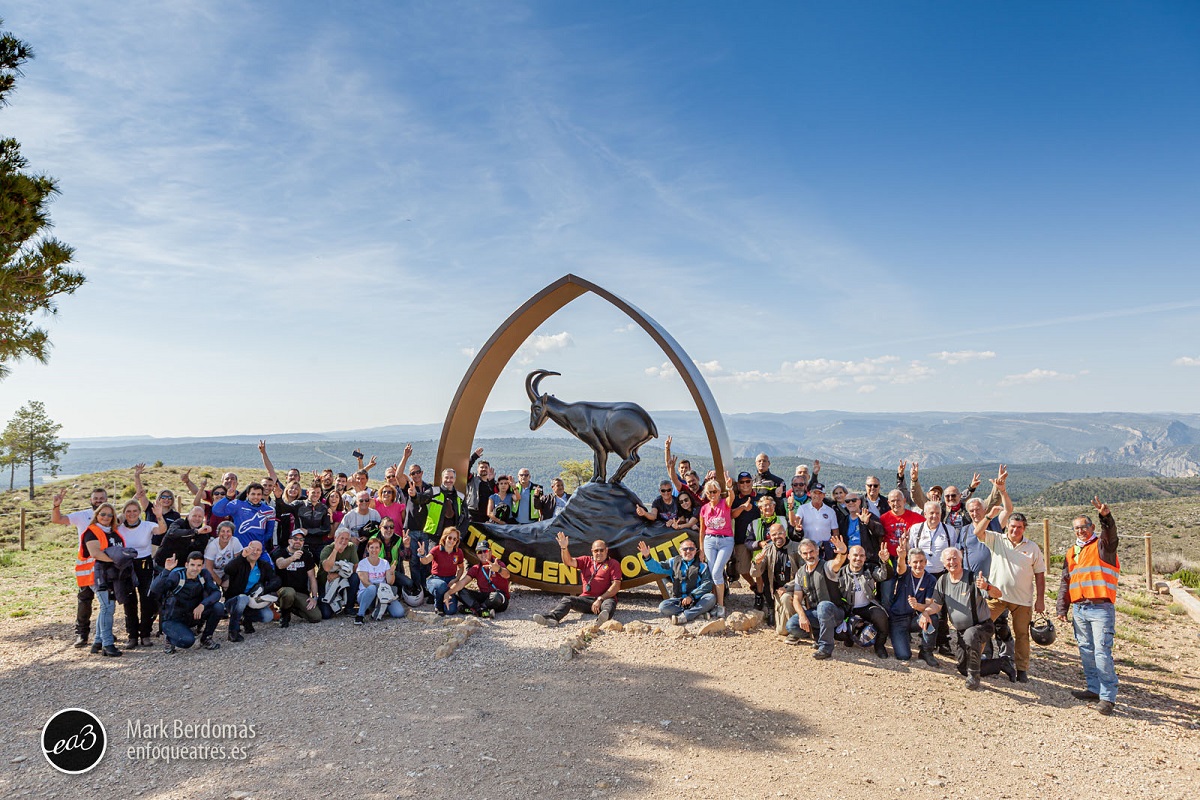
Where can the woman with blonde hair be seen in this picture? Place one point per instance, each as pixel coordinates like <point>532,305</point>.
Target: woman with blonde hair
<point>716,534</point>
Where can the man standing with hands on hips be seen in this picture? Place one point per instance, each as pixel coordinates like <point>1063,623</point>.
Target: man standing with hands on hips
<point>1089,588</point>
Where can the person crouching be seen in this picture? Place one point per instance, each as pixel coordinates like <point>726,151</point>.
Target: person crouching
<point>189,598</point>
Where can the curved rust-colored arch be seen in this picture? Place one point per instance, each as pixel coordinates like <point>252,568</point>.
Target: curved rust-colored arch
<point>462,419</point>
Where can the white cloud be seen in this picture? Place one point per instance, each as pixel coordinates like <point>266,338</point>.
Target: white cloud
<point>542,344</point>
<point>867,388</point>
<point>469,352</point>
<point>820,374</point>
<point>963,356</point>
<point>629,328</point>
<point>1035,376</point>
<point>1186,361</point>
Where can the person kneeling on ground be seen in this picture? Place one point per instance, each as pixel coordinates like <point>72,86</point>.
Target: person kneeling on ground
<point>817,597</point>
<point>914,590</point>
<point>858,583</point>
<point>245,576</point>
<point>601,577</point>
<point>964,597</point>
<point>378,581</point>
<point>491,593</point>
<point>189,597</point>
<point>773,571</point>
<point>691,583</point>
<point>297,570</point>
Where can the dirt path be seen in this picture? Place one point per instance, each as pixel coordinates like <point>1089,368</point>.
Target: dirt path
<point>367,712</point>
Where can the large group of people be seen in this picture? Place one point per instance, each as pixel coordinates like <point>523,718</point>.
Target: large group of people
<point>943,567</point>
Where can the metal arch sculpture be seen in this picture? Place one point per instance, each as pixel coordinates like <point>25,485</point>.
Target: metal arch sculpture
<point>462,418</point>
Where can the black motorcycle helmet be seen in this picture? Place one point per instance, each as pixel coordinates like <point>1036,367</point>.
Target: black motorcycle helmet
<point>1041,630</point>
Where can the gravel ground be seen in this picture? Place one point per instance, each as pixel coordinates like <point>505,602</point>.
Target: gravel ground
<point>368,712</point>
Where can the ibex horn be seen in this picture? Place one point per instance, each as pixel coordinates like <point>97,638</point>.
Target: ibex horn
<point>533,379</point>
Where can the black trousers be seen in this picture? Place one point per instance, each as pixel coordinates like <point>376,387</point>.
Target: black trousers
<point>140,607</point>
<point>583,604</point>
<point>83,611</point>
<point>970,650</point>
<point>877,617</point>
<point>493,601</point>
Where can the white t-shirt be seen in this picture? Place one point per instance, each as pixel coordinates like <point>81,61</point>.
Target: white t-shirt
<point>377,573</point>
<point>139,537</point>
<point>221,556</point>
<point>81,520</point>
<point>1014,567</point>
<point>818,523</point>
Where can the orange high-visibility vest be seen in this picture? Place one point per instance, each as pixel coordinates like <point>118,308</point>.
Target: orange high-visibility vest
<point>1088,577</point>
<point>85,565</point>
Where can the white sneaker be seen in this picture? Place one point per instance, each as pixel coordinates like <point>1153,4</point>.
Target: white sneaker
<point>679,619</point>
<point>719,612</point>
<point>549,622</point>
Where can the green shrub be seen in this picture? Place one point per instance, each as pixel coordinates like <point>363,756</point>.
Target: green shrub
<point>158,463</point>
<point>1176,609</point>
<point>1134,611</point>
<point>1188,577</point>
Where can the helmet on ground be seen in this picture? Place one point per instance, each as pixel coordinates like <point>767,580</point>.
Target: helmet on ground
<point>416,598</point>
<point>864,632</point>
<point>1041,630</point>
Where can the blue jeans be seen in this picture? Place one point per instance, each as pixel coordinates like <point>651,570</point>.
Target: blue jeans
<point>717,551</point>
<point>702,606</point>
<point>825,619</point>
<point>887,592</point>
<point>366,598</point>
<point>104,620</point>
<point>437,587</point>
<point>1095,626</point>
<point>181,634</point>
<point>903,626</point>
<point>239,608</point>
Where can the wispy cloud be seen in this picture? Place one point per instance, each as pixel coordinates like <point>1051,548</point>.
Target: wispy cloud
<point>821,374</point>
<point>1186,361</point>
<point>963,356</point>
<point>542,344</point>
<point>1035,376</point>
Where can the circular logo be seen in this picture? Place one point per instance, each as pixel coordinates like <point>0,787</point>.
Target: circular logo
<point>74,741</point>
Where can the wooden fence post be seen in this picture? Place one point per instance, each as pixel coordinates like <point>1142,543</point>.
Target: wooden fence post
<point>1046,539</point>
<point>22,529</point>
<point>1149,566</point>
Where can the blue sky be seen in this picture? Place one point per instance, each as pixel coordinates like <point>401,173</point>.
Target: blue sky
<point>306,216</point>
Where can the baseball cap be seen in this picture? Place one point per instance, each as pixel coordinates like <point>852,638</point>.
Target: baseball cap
<point>743,475</point>
<point>483,545</point>
<point>817,487</point>
<point>297,532</point>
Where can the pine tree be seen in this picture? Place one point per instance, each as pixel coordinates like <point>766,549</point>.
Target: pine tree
<point>32,439</point>
<point>33,265</point>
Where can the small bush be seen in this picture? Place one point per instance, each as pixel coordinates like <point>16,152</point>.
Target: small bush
<point>1057,561</point>
<point>1168,563</point>
<point>1188,577</point>
<point>1134,611</point>
<point>8,559</point>
<point>1176,609</point>
<point>128,492</point>
<point>158,463</point>
<point>1139,599</point>
<point>20,612</point>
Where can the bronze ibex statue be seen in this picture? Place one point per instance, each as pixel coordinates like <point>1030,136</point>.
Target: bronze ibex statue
<point>619,428</point>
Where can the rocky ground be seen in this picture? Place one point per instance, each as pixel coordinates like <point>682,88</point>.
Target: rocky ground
<point>370,713</point>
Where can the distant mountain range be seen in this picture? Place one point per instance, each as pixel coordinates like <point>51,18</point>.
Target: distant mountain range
<point>1152,444</point>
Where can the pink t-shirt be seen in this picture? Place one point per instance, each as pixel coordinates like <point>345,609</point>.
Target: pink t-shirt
<point>393,511</point>
<point>718,520</point>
